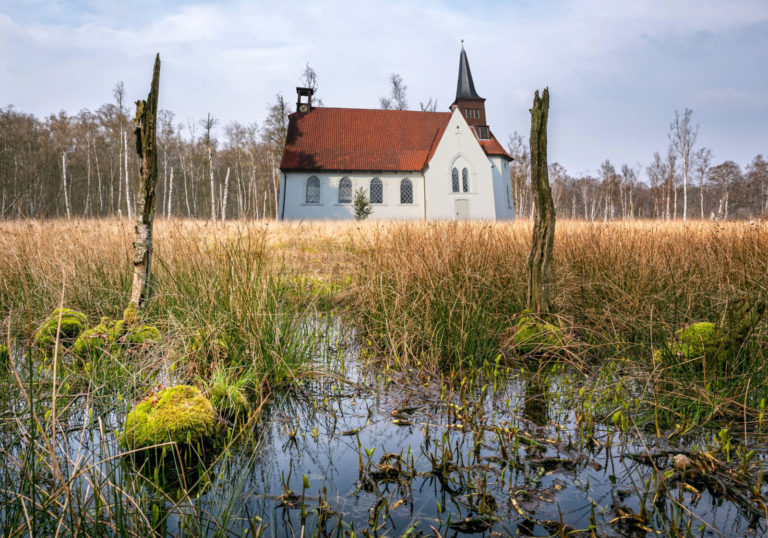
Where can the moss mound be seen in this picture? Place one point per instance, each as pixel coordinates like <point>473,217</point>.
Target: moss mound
<point>696,340</point>
<point>533,335</point>
<point>109,335</point>
<point>72,324</point>
<point>142,334</point>
<point>101,338</point>
<point>180,414</point>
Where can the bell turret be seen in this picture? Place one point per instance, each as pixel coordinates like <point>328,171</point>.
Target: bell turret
<point>472,106</point>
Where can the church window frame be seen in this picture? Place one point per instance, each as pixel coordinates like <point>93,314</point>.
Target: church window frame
<point>312,192</point>
<point>376,191</point>
<point>465,179</point>
<point>455,180</point>
<point>345,190</point>
<point>406,191</point>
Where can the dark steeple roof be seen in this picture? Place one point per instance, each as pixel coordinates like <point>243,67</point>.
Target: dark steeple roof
<point>465,89</point>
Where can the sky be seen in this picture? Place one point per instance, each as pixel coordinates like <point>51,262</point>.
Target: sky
<point>617,70</point>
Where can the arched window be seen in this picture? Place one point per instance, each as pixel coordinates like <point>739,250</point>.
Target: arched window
<point>406,191</point>
<point>377,191</point>
<point>455,179</point>
<point>465,180</point>
<point>345,191</point>
<point>313,190</point>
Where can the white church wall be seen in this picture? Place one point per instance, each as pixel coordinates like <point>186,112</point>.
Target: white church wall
<point>502,188</point>
<point>296,206</point>
<point>459,146</point>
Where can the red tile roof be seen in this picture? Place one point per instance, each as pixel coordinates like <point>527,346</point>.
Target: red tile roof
<point>361,139</point>
<point>366,139</point>
<point>493,147</point>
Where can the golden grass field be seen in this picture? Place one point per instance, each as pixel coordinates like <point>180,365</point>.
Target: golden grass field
<point>601,270</point>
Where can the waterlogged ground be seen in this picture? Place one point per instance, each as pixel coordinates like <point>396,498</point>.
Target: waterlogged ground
<point>501,453</point>
<point>403,454</point>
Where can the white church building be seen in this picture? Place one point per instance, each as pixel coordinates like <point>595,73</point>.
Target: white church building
<point>412,165</point>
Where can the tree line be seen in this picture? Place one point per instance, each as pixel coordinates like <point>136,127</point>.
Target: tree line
<point>679,183</point>
<point>85,165</point>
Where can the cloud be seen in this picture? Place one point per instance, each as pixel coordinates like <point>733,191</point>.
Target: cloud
<point>617,70</point>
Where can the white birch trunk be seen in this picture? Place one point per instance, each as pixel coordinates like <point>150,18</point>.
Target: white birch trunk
<point>225,197</point>
<point>164,201</point>
<point>213,188</point>
<point>98,179</point>
<point>88,177</point>
<point>119,175</point>
<point>64,181</point>
<point>170,195</point>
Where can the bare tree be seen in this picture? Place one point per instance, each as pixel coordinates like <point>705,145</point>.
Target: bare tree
<point>703,160</point>
<point>520,174</point>
<point>657,174</point>
<point>724,176</point>
<point>683,136</point>
<point>274,132</point>
<point>629,181</point>
<point>208,124</point>
<point>670,173</point>
<point>309,80</point>
<point>429,106</point>
<point>397,99</point>
<point>757,179</point>
<point>118,92</point>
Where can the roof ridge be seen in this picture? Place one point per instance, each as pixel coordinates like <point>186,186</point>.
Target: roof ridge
<point>379,110</point>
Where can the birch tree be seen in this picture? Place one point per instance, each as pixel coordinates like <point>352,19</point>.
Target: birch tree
<point>397,99</point>
<point>683,136</point>
<point>703,160</point>
<point>208,124</point>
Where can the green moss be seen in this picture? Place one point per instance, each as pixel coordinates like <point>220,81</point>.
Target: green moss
<point>4,354</point>
<point>102,338</point>
<point>696,340</point>
<point>72,324</point>
<point>130,314</point>
<point>110,335</point>
<point>180,414</point>
<point>142,334</point>
<point>533,335</point>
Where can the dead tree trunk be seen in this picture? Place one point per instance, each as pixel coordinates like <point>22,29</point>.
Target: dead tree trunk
<point>145,121</point>
<point>540,257</point>
<point>127,182</point>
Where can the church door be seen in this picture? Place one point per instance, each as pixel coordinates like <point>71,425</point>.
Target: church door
<point>462,209</point>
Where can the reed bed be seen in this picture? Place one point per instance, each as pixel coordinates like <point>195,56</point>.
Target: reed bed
<point>239,302</point>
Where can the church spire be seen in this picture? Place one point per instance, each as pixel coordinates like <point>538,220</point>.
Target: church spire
<point>465,89</point>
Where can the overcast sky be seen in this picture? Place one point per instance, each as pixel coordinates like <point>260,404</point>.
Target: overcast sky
<point>616,70</point>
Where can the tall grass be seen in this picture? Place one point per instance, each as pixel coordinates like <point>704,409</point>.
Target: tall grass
<point>243,297</point>
<point>444,292</point>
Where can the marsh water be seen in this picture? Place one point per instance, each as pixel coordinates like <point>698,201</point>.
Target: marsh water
<point>362,450</point>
